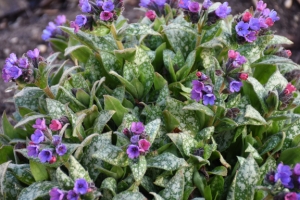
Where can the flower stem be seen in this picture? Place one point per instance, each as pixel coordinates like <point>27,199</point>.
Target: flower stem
<point>49,93</point>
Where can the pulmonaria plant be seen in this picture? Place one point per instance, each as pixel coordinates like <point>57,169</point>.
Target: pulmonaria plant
<point>176,106</point>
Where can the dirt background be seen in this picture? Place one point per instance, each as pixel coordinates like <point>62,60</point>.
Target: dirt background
<point>22,23</point>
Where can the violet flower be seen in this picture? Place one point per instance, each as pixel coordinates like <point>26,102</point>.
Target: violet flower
<point>254,24</point>
<point>235,86</point>
<point>80,20</point>
<point>56,140</point>
<point>33,54</point>
<point>45,155</point>
<point>197,96</point>
<point>133,151</point>
<point>184,4</point>
<point>251,36</point>
<point>75,26</point>
<point>81,186</point>
<point>106,15</point>
<point>40,124</point>
<point>160,3</point>
<point>99,3</point>
<point>223,10</point>
<point>56,194</point>
<point>291,196</point>
<point>206,4</point>
<point>297,169</point>
<point>37,137</point>
<point>23,62</point>
<point>61,149</point>
<point>144,3</point>
<point>10,72</point>
<point>134,139</point>
<point>60,20</point>
<point>12,59</point>
<point>108,6</point>
<point>86,7</point>
<point>283,174</point>
<point>242,28</point>
<point>33,150</point>
<point>72,195</point>
<point>137,128</point>
<point>273,15</point>
<point>194,6</point>
<point>209,99</point>
<point>197,85</point>
<point>260,6</point>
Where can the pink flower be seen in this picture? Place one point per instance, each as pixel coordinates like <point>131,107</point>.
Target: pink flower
<point>151,15</point>
<point>247,16</point>
<point>232,54</point>
<point>289,53</point>
<point>75,26</point>
<point>144,145</point>
<point>55,125</point>
<point>106,15</point>
<point>243,76</point>
<point>289,89</point>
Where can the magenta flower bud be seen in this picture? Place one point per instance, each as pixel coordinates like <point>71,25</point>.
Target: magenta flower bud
<point>247,16</point>
<point>144,145</point>
<point>151,15</point>
<point>55,125</point>
<point>40,124</point>
<point>106,15</point>
<point>232,54</point>
<point>291,196</point>
<point>289,89</point>
<point>194,6</point>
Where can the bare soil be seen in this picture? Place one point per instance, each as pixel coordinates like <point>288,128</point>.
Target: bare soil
<point>21,31</point>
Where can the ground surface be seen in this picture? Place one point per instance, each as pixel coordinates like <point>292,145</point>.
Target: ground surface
<point>22,22</point>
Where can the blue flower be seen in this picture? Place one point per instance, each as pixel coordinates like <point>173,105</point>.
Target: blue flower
<point>72,195</point>
<point>99,3</point>
<point>45,155</point>
<point>86,7</point>
<point>80,20</point>
<point>61,149</point>
<point>133,151</point>
<point>108,6</point>
<point>33,150</point>
<point>10,72</point>
<point>197,85</point>
<point>38,136</point>
<point>134,139</point>
<point>254,24</point>
<point>81,186</point>
<point>242,28</point>
<point>273,16</point>
<point>283,174</point>
<point>160,3</point>
<point>197,96</point>
<point>144,3</point>
<point>12,59</point>
<point>223,10</point>
<point>184,4</point>
<point>235,86</point>
<point>251,36</point>
<point>209,99</point>
<point>206,4</point>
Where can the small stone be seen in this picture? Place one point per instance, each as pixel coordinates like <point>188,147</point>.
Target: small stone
<point>288,3</point>
<point>14,40</point>
<point>42,48</point>
<point>6,51</point>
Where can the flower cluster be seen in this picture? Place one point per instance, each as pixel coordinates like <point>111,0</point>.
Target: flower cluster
<point>286,96</point>
<point>192,9</point>
<point>81,187</point>
<point>52,29</point>
<point>250,25</point>
<point>203,90</point>
<point>220,13</point>
<point>289,179</point>
<point>39,136</point>
<point>22,68</point>
<point>139,144</point>
<point>107,10</point>
<point>157,6</point>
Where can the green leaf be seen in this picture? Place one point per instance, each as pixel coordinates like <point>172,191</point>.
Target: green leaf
<point>10,186</point>
<point>111,154</point>
<point>7,153</point>
<point>29,98</point>
<point>156,196</point>
<point>220,170</point>
<point>170,121</point>
<point>111,103</point>
<point>37,190</point>
<point>63,180</point>
<point>58,44</point>
<point>9,130</point>
<point>137,29</point>
<point>205,133</point>
<point>38,170</point>
<point>77,171</point>
<point>270,144</point>
<point>259,91</point>
<point>80,52</point>
<point>55,108</point>
<point>199,107</point>
<point>217,186</point>
<point>268,166</point>
<point>290,156</point>
<point>128,195</point>
<point>246,179</point>
<point>175,188</point>
<point>277,39</point>
<point>252,113</point>
<point>138,168</point>
<point>52,58</point>
<point>102,119</point>
<point>166,161</point>
<point>131,89</point>
<point>126,54</point>
<point>109,184</point>
<point>152,129</point>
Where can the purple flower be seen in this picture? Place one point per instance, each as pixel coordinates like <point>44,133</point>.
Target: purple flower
<point>160,3</point>
<point>184,4</point>
<point>38,136</point>
<point>81,186</point>
<point>223,10</point>
<point>240,59</point>
<point>260,6</point>
<point>75,26</point>
<point>254,24</point>
<point>108,6</point>
<point>61,149</point>
<point>10,72</point>
<point>80,20</point>
<point>197,96</point>
<point>56,140</point>
<point>194,6</point>
<point>208,89</point>
<point>209,99</point>
<point>262,23</point>
<point>197,85</point>
<point>235,86</point>
<point>134,139</point>
<point>99,3</point>
<point>72,195</point>
<point>12,59</point>
<point>86,7</point>
<point>46,35</point>
<point>297,169</point>
<point>206,4</point>
<point>273,16</point>
<point>33,54</point>
<point>242,28</point>
<point>45,155</point>
<point>60,20</point>
<point>106,16</point>
<point>23,62</point>
<point>144,3</point>
<point>137,128</point>
<point>40,124</point>
<point>33,150</point>
<point>133,151</point>
<point>56,194</point>
<point>291,196</point>
<point>283,174</point>
<point>266,12</point>
<point>251,37</point>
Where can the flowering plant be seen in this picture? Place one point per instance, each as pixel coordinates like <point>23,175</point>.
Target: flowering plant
<point>189,103</point>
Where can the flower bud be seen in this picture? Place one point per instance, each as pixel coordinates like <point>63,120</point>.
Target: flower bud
<point>243,76</point>
<point>55,125</point>
<point>89,190</point>
<point>289,89</point>
<point>151,15</point>
<point>232,54</point>
<point>289,53</point>
<point>198,74</point>
<point>269,22</point>
<point>247,16</point>
<point>53,160</point>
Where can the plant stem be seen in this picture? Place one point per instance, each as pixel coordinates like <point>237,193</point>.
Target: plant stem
<point>49,93</point>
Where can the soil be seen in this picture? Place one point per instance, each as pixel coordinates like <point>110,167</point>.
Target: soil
<point>21,30</point>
